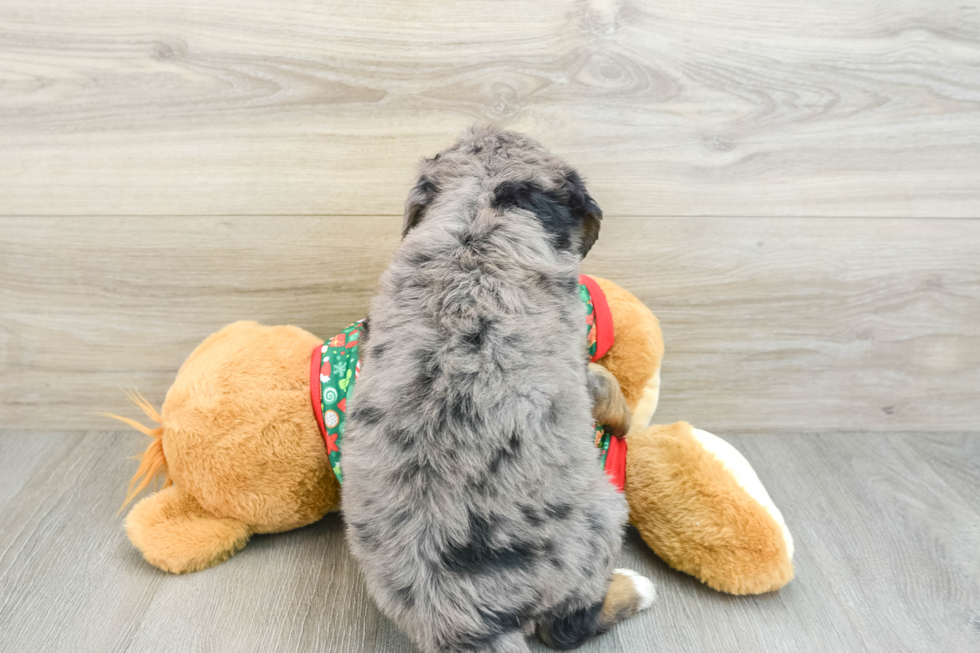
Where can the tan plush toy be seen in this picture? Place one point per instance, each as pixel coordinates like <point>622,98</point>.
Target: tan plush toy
<point>250,433</point>
<point>695,500</point>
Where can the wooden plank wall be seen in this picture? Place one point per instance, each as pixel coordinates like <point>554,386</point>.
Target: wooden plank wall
<point>793,187</point>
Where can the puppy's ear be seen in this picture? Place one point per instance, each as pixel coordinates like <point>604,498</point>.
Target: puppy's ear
<point>418,201</point>
<point>564,211</point>
<point>583,209</point>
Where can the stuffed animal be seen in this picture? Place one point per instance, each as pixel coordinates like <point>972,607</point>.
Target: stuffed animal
<point>250,441</point>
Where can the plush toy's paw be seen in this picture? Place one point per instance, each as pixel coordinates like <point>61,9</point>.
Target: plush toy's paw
<point>700,506</point>
<point>611,409</point>
<point>174,533</point>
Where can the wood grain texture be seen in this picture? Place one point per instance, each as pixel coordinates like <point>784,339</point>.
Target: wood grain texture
<point>95,306</point>
<point>885,562</point>
<point>895,545</point>
<point>943,455</point>
<point>121,107</point>
<point>71,581</point>
<point>805,324</point>
<point>770,324</point>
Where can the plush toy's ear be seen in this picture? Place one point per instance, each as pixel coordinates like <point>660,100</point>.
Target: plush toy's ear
<point>418,201</point>
<point>700,506</point>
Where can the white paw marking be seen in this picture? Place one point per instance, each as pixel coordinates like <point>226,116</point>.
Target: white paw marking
<point>643,585</point>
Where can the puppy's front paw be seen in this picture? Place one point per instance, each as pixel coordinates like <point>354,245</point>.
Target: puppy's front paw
<point>609,405</point>
<point>618,420</point>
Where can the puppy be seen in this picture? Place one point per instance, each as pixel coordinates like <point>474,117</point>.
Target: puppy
<point>473,496</point>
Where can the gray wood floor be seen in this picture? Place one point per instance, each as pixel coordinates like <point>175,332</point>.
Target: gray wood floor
<point>888,559</point>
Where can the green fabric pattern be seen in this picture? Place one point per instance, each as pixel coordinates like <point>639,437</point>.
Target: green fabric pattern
<point>340,366</point>
<point>602,434</point>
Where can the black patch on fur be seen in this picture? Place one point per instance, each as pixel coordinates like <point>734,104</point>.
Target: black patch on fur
<point>505,453</point>
<point>399,518</point>
<point>461,412</point>
<point>569,284</point>
<point>542,281</point>
<point>503,620</point>
<point>546,206</point>
<point>418,201</point>
<point>569,318</point>
<point>548,547</point>
<point>478,242</point>
<point>497,459</point>
<point>571,630</point>
<point>366,535</point>
<point>404,439</point>
<point>554,413</point>
<point>366,413</point>
<point>429,369</point>
<point>596,523</point>
<point>406,596</point>
<point>377,351</point>
<point>479,556</point>
<point>558,510</point>
<point>483,486</point>
<point>584,209</point>
<point>416,471</point>
<point>477,336</point>
<point>532,516</point>
<point>419,258</point>
<point>516,341</point>
<point>563,211</point>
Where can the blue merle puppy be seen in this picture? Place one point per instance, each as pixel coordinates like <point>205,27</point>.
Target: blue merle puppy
<point>473,495</point>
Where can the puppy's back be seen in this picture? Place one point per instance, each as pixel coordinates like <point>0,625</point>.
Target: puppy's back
<point>473,496</point>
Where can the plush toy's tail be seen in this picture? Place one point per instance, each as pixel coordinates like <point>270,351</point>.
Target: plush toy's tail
<point>153,463</point>
<point>169,527</point>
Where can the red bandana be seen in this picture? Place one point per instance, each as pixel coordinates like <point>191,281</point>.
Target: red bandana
<point>615,464</point>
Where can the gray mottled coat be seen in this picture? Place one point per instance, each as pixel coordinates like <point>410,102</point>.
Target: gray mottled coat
<point>473,495</point>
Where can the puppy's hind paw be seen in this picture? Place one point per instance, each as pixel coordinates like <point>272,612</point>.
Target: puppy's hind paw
<point>645,589</point>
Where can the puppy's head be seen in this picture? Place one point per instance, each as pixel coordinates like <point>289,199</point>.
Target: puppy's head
<point>507,172</point>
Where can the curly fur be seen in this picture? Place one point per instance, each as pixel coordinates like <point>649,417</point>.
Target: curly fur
<point>473,497</point>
